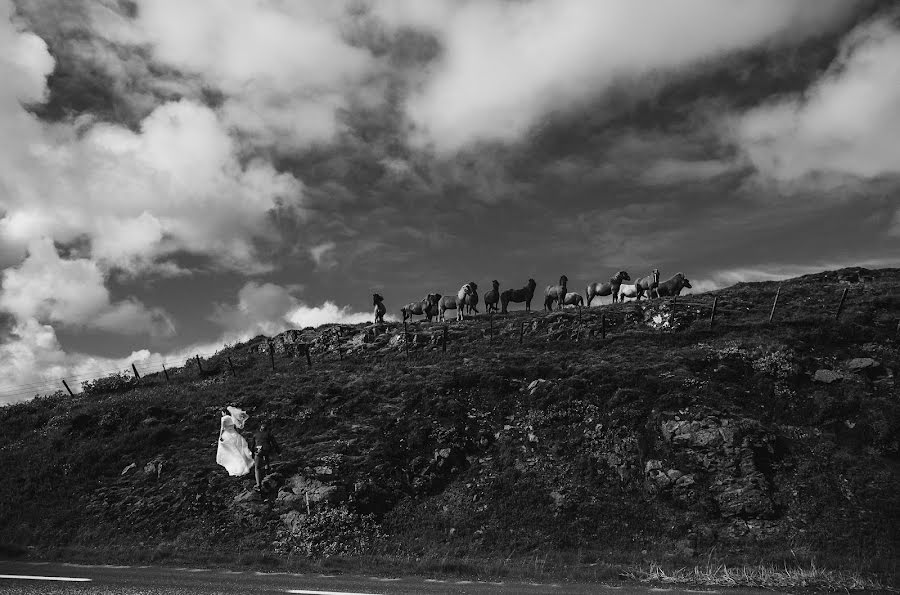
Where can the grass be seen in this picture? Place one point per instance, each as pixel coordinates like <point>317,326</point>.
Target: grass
<point>543,484</point>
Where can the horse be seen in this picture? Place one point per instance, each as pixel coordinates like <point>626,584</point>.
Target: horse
<point>425,307</point>
<point>649,283</point>
<point>492,297</point>
<point>455,302</point>
<point>631,291</point>
<point>573,299</point>
<point>380,310</point>
<point>673,286</point>
<point>612,288</point>
<point>556,293</point>
<point>471,300</point>
<point>526,294</point>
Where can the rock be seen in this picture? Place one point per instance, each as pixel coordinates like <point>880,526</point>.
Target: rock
<point>652,465</point>
<point>128,468</point>
<point>324,470</point>
<point>304,487</point>
<point>293,520</point>
<point>827,376</point>
<point>539,385</point>
<point>745,497</point>
<point>674,474</point>
<point>558,499</point>
<point>859,364</point>
<point>154,467</point>
<point>248,496</point>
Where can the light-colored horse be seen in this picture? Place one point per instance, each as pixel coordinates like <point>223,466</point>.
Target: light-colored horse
<point>380,310</point>
<point>630,291</point>
<point>556,293</point>
<point>673,286</point>
<point>612,288</point>
<point>492,297</point>
<point>649,283</point>
<point>455,302</point>
<point>526,294</point>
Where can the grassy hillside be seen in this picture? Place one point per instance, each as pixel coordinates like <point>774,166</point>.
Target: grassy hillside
<point>670,441</point>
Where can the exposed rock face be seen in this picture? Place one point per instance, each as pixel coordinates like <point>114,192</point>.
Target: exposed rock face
<point>860,364</point>
<point>827,376</point>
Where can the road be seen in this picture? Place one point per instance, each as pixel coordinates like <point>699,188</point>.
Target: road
<point>18,577</point>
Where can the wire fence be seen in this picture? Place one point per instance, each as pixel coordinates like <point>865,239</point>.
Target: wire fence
<point>578,324</point>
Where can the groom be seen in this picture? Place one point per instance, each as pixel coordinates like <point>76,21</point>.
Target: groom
<point>262,445</point>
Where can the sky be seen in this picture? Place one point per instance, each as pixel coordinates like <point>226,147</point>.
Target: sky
<point>176,176</point>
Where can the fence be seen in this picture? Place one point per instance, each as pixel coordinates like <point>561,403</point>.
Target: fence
<point>593,322</point>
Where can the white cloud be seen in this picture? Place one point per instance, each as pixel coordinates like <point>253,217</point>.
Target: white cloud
<point>507,64</point>
<point>323,255</point>
<point>270,309</point>
<point>847,124</point>
<point>72,293</point>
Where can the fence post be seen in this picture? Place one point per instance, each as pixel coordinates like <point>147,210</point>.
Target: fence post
<point>199,367</point>
<point>775,303</point>
<point>444,343</point>
<point>521,331</point>
<point>136,375</point>
<point>837,314</point>
<point>308,357</point>
<point>272,355</point>
<point>231,365</point>
<point>166,372</point>
<point>712,317</point>
<point>603,326</point>
<point>406,339</point>
<point>68,389</point>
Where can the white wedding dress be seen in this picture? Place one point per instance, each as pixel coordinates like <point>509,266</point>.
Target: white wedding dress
<point>233,452</point>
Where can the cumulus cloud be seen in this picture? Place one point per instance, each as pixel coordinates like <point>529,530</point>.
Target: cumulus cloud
<point>847,124</point>
<point>505,65</point>
<point>269,309</point>
<point>72,293</point>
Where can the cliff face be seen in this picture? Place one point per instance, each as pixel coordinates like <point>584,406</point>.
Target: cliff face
<point>668,437</point>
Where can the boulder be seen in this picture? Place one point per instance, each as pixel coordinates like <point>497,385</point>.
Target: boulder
<point>860,364</point>
<point>303,487</point>
<point>827,376</point>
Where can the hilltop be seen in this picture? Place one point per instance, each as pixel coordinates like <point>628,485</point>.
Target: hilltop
<point>670,441</point>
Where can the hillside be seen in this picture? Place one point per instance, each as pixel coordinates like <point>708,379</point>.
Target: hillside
<point>669,441</point>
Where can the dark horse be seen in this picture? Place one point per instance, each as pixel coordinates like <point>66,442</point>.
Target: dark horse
<point>526,294</point>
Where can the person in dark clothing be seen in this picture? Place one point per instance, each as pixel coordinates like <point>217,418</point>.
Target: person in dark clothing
<point>263,445</point>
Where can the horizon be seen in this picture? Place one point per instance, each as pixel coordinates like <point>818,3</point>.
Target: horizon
<point>181,176</point>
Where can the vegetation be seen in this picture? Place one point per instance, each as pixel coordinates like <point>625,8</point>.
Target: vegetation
<point>669,445</point>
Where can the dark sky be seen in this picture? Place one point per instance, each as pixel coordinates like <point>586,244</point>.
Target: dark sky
<point>178,175</point>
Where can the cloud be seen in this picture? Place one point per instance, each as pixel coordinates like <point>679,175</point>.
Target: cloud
<point>671,171</point>
<point>506,65</point>
<point>846,125</point>
<point>72,293</point>
<point>269,309</point>
<point>323,255</point>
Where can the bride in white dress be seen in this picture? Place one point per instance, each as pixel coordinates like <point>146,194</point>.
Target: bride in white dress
<point>233,452</point>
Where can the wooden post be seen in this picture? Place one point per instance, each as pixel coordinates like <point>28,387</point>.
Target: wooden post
<point>406,339</point>
<point>166,372</point>
<point>775,303</point>
<point>712,317</point>
<point>521,331</point>
<point>272,355</point>
<point>199,367</point>
<point>308,357</point>
<point>231,365</point>
<point>837,314</point>
<point>136,375</point>
<point>444,343</point>
<point>68,389</point>
<point>306,495</point>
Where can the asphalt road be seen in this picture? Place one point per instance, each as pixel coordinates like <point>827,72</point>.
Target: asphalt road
<point>17,577</point>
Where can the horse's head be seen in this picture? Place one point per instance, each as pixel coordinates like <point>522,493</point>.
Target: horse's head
<point>563,280</point>
<point>622,276</point>
<point>473,285</point>
<point>495,284</point>
<point>532,284</point>
<point>376,299</point>
<point>466,289</point>
<point>684,280</point>
<point>656,276</point>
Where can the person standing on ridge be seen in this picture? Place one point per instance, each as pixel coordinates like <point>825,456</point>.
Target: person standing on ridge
<point>263,444</point>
